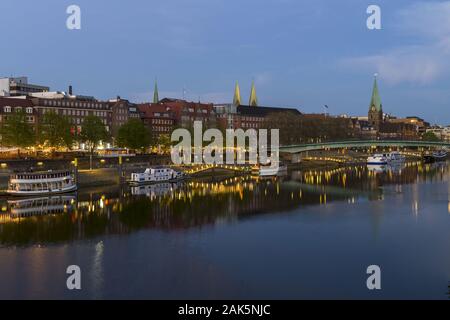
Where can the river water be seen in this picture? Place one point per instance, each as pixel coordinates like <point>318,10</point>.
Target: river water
<point>307,235</point>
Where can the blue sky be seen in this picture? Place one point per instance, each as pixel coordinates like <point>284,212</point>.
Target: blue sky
<point>301,53</point>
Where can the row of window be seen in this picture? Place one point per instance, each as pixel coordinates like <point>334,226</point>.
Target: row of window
<point>250,125</point>
<point>161,121</point>
<point>80,120</point>
<point>76,104</point>
<point>161,129</point>
<point>198,110</point>
<point>70,112</point>
<point>28,118</point>
<point>158,114</point>
<point>252,119</point>
<point>8,109</point>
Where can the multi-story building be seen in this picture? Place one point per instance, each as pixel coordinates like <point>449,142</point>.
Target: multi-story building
<point>420,124</point>
<point>19,86</point>
<point>75,107</point>
<point>244,116</point>
<point>121,111</point>
<point>10,105</point>
<point>186,112</point>
<point>159,119</point>
<point>442,133</point>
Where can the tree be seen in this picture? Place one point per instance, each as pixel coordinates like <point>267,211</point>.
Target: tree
<point>92,132</point>
<point>54,131</point>
<point>430,136</point>
<point>16,131</point>
<point>164,143</point>
<point>133,135</point>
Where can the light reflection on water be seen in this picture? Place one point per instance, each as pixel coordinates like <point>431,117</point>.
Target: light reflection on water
<point>204,212</point>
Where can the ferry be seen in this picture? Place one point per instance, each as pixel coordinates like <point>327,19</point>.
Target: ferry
<point>155,174</point>
<point>395,157</point>
<point>41,183</point>
<point>385,158</point>
<point>377,159</point>
<point>436,156</point>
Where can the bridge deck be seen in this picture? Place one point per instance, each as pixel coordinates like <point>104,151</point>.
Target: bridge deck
<point>361,144</point>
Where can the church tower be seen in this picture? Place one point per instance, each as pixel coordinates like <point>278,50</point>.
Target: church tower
<point>375,107</point>
<point>237,95</point>
<point>155,93</point>
<point>253,101</point>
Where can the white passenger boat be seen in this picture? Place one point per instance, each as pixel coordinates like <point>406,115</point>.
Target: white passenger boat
<point>156,174</point>
<point>385,158</point>
<point>268,170</point>
<point>440,155</point>
<point>41,183</point>
<point>395,157</point>
<point>377,159</point>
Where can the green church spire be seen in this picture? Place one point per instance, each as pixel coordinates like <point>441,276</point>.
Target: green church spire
<point>237,95</point>
<point>155,93</point>
<point>375,101</point>
<point>253,99</point>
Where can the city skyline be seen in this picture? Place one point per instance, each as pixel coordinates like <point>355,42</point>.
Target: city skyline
<point>308,55</point>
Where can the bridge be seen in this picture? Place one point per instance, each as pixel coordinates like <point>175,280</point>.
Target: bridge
<point>362,144</point>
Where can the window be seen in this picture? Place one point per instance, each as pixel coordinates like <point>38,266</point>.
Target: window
<point>7,109</point>
<point>29,110</point>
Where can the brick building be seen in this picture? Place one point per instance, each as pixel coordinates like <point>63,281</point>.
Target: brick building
<point>158,118</point>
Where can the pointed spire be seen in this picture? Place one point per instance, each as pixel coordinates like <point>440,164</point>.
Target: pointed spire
<point>253,99</point>
<point>375,101</point>
<point>237,95</point>
<point>155,93</point>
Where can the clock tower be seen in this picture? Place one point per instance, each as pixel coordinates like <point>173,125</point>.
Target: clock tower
<point>375,107</point>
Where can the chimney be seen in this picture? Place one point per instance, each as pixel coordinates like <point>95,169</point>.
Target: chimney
<point>70,90</point>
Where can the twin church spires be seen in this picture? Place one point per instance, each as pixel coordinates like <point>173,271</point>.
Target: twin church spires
<point>253,101</point>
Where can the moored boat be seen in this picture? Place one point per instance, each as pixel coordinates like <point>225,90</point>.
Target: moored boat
<point>377,159</point>
<point>386,158</point>
<point>41,183</point>
<point>436,156</point>
<point>440,155</point>
<point>155,174</point>
<point>395,157</point>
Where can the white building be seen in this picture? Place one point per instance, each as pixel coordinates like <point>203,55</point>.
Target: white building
<point>19,86</point>
<point>442,133</point>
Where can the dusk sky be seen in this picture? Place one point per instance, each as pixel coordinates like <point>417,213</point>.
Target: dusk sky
<point>302,54</point>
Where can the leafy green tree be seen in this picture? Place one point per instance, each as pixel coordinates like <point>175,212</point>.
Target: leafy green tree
<point>430,136</point>
<point>93,131</point>
<point>16,131</point>
<point>54,131</point>
<point>164,143</point>
<point>134,135</point>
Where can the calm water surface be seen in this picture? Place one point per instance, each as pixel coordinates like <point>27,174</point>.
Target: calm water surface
<point>307,235</point>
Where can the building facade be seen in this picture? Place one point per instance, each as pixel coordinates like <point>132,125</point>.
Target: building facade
<point>159,119</point>
<point>19,86</point>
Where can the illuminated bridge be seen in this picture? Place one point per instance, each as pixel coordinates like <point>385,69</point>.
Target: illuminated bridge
<point>362,144</point>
